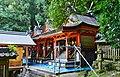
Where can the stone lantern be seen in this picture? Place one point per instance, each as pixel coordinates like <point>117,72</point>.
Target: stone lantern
<point>99,53</point>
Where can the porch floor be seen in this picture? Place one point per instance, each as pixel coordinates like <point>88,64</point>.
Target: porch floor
<point>54,70</point>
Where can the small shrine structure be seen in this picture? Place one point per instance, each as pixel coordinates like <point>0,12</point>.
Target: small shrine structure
<point>20,39</point>
<point>4,61</point>
<point>79,31</point>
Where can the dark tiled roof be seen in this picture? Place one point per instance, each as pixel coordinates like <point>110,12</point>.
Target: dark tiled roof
<point>78,19</point>
<point>13,32</point>
<point>17,38</point>
<point>4,53</point>
<point>47,34</point>
<point>85,19</point>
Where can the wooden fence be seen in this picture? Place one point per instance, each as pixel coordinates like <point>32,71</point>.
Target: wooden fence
<point>111,53</point>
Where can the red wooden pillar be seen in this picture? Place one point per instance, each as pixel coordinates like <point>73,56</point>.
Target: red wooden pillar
<point>67,40</point>
<point>78,58</point>
<point>47,45</point>
<point>55,44</point>
<point>67,47</point>
<point>38,49</point>
<point>44,51</point>
<point>78,40</point>
<point>52,52</point>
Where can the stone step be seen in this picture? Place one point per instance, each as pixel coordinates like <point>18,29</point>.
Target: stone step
<point>68,64</point>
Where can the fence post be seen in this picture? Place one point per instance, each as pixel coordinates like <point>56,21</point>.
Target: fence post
<point>116,56</point>
<point>119,53</point>
<point>113,54</point>
<point>108,53</point>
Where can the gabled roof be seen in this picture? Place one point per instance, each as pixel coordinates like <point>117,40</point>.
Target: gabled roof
<point>13,32</point>
<point>17,38</point>
<point>48,34</point>
<point>77,19</point>
<point>75,22</point>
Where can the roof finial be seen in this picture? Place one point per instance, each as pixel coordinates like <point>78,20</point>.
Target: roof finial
<point>89,10</point>
<point>89,13</point>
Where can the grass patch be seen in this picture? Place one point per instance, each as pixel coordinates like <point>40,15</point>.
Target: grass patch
<point>112,73</point>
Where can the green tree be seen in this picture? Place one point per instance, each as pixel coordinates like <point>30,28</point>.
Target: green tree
<point>107,13</point>
<point>59,10</point>
<point>19,15</point>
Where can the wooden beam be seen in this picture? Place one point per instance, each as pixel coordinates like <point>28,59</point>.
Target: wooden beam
<point>74,35</point>
<point>26,48</point>
<point>67,33</point>
<point>86,27</point>
<point>60,38</point>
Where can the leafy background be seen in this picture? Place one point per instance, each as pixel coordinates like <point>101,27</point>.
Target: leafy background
<point>23,15</point>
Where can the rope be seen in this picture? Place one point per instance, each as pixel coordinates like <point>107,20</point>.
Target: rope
<point>86,61</point>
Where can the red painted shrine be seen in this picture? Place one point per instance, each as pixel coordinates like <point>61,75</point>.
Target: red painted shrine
<point>79,31</point>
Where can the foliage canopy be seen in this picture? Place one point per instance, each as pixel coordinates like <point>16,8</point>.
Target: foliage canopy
<point>19,15</point>
<point>107,12</point>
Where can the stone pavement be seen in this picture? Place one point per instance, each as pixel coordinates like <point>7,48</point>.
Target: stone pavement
<point>69,75</point>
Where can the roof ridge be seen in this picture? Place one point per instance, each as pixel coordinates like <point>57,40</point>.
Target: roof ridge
<point>12,32</point>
